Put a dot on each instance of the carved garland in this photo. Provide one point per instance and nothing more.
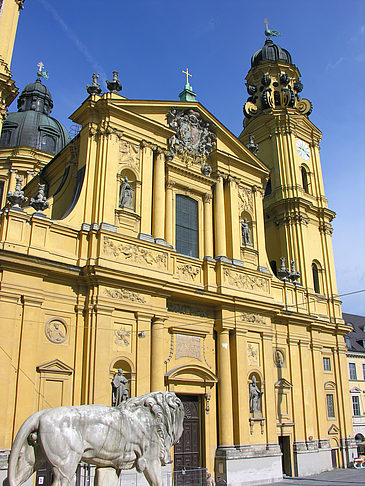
(246, 281)
(125, 294)
(134, 253)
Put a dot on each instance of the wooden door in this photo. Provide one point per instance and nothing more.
(187, 454)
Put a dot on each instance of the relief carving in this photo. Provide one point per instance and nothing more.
(253, 353)
(122, 337)
(129, 154)
(125, 294)
(187, 272)
(246, 281)
(188, 347)
(56, 331)
(245, 201)
(326, 228)
(134, 253)
(247, 317)
(181, 308)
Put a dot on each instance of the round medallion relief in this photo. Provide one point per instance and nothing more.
(56, 331)
(279, 358)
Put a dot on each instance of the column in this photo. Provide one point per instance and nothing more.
(208, 226)
(157, 353)
(224, 390)
(169, 219)
(219, 219)
(319, 393)
(143, 359)
(146, 194)
(158, 214)
(306, 367)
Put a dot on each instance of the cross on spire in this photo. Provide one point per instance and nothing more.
(187, 75)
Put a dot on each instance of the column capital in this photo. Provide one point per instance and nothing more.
(150, 145)
(159, 319)
(140, 315)
(160, 151)
(207, 197)
(170, 184)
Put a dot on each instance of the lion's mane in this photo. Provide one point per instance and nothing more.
(167, 413)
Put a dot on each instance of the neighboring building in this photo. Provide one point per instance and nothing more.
(153, 257)
(355, 342)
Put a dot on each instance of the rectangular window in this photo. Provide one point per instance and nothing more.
(330, 406)
(356, 405)
(326, 364)
(187, 226)
(352, 369)
(363, 371)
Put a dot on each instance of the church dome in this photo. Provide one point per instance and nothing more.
(270, 52)
(31, 125)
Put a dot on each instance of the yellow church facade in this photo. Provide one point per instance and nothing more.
(151, 243)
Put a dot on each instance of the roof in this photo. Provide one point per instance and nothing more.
(356, 336)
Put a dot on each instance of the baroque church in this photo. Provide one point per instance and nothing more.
(157, 242)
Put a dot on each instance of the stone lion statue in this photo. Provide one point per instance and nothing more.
(138, 433)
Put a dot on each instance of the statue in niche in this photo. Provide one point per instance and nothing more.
(255, 396)
(119, 386)
(245, 231)
(126, 195)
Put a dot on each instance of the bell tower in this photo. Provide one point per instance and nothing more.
(9, 15)
(297, 220)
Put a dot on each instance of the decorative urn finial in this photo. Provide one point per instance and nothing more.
(115, 85)
(17, 198)
(94, 88)
(39, 203)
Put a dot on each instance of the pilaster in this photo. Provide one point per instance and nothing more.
(144, 329)
(146, 194)
(219, 219)
(158, 216)
(208, 225)
(224, 389)
(169, 213)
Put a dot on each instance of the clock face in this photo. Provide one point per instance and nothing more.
(303, 149)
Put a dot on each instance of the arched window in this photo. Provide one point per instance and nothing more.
(315, 278)
(304, 179)
(187, 241)
(48, 144)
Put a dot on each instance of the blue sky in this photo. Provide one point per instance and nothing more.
(151, 41)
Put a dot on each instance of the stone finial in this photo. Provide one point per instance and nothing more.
(252, 146)
(94, 88)
(39, 203)
(283, 272)
(17, 198)
(115, 85)
(293, 275)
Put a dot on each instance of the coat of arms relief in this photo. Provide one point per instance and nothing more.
(194, 138)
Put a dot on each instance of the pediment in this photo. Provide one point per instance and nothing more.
(355, 390)
(333, 430)
(283, 383)
(151, 115)
(55, 366)
(191, 374)
(330, 385)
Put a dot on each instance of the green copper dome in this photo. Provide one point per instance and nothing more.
(31, 125)
(270, 52)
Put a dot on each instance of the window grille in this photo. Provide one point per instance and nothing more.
(330, 406)
(356, 405)
(352, 369)
(326, 364)
(187, 226)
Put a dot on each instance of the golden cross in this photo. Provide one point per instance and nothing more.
(40, 66)
(187, 75)
(267, 24)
